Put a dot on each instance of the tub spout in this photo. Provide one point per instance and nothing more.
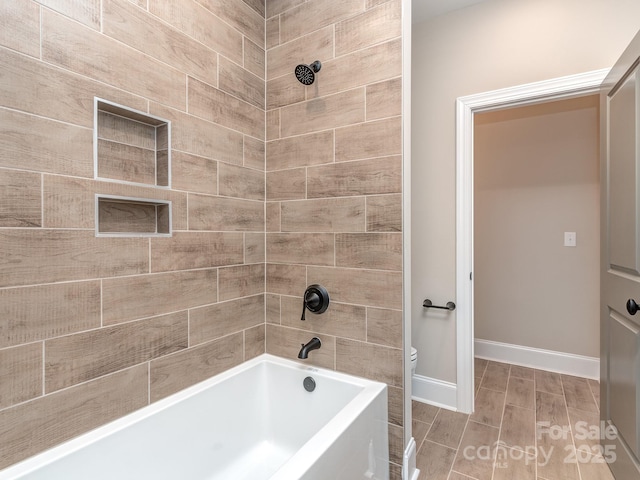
(313, 344)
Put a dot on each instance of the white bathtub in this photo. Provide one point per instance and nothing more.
(255, 421)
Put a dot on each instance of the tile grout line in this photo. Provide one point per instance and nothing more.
(504, 406)
(40, 32)
(573, 440)
(101, 303)
(593, 396)
(464, 430)
(188, 327)
(43, 367)
(149, 382)
(42, 200)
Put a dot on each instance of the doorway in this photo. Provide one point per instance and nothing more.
(467, 107)
(536, 234)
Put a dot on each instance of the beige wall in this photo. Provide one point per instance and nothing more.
(93, 328)
(536, 176)
(491, 45)
(334, 184)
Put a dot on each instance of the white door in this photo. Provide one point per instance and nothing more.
(620, 297)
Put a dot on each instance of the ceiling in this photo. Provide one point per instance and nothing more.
(422, 10)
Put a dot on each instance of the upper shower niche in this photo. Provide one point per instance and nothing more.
(306, 74)
(131, 146)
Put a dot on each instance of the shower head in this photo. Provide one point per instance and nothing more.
(306, 74)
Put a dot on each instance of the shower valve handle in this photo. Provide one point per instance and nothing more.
(315, 299)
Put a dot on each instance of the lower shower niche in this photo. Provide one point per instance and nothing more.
(132, 217)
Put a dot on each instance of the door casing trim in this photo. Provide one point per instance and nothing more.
(528, 94)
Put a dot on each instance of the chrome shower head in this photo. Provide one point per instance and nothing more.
(306, 74)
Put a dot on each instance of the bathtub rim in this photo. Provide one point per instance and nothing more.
(313, 447)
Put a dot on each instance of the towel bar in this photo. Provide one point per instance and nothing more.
(429, 304)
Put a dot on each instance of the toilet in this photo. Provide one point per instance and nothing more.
(414, 360)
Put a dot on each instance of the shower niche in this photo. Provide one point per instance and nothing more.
(131, 147)
(128, 216)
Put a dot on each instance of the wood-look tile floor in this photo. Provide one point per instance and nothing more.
(527, 425)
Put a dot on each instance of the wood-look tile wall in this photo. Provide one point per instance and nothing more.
(333, 188)
(94, 328)
(274, 186)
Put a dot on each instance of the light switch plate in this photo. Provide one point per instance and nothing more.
(569, 239)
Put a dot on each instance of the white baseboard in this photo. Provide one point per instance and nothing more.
(433, 391)
(560, 362)
(409, 470)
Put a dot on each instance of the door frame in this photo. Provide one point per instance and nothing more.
(466, 107)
